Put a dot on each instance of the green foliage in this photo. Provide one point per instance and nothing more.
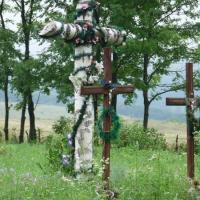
(56, 147)
(3, 150)
(158, 37)
(197, 143)
(63, 126)
(13, 139)
(8, 55)
(32, 69)
(135, 135)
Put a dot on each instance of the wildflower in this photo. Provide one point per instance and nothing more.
(70, 140)
(65, 160)
(65, 179)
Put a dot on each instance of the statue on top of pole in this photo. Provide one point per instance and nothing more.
(85, 33)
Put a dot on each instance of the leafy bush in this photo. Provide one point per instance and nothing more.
(197, 142)
(135, 135)
(63, 125)
(57, 147)
(3, 150)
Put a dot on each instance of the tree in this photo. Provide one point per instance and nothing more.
(160, 37)
(28, 10)
(8, 55)
(32, 69)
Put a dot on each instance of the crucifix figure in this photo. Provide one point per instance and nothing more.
(189, 102)
(107, 92)
(85, 34)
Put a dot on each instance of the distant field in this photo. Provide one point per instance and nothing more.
(47, 114)
(45, 117)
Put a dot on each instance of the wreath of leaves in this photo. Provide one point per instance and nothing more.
(115, 127)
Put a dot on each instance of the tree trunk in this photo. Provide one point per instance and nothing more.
(6, 130)
(146, 110)
(23, 119)
(145, 92)
(32, 130)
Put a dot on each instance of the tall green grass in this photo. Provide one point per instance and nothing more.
(135, 175)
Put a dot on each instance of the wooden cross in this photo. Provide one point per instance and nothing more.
(85, 33)
(95, 90)
(188, 102)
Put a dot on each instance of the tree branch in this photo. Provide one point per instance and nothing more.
(152, 74)
(17, 3)
(166, 91)
(168, 13)
(1, 14)
(31, 12)
(23, 14)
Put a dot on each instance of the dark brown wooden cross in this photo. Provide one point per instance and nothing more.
(95, 90)
(188, 102)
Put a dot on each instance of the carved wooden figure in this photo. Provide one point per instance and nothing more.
(84, 33)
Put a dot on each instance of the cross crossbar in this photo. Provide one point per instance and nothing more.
(176, 102)
(87, 90)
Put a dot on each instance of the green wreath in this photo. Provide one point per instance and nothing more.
(115, 127)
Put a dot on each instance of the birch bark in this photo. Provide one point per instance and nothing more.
(83, 140)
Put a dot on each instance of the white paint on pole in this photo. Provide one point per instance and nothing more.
(84, 59)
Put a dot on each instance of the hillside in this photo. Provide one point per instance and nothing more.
(158, 109)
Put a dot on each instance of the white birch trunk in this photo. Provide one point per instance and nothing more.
(83, 140)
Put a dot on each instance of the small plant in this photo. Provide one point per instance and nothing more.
(197, 142)
(57, 154)
(63, 125)
(3, 150)
(135, 135)
(59, 146)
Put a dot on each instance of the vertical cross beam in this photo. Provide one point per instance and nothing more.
(107, 121)
(188, 102)
(190, 128)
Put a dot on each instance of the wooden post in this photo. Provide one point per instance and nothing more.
(188, 102)
(190, 129)
(107, 122)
